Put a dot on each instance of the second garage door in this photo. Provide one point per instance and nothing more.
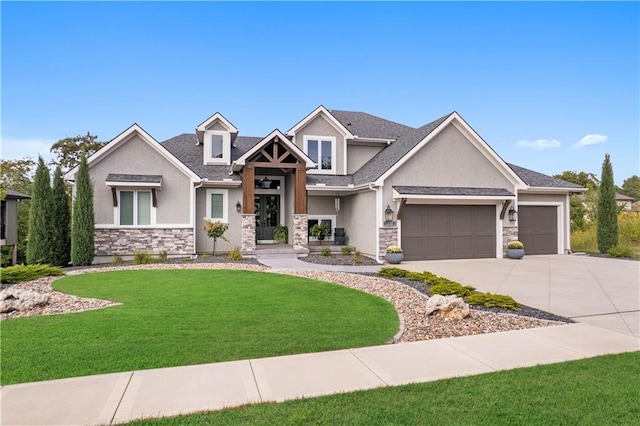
(432, 232)
(538, 229)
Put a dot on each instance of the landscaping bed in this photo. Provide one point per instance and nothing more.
(339, 259)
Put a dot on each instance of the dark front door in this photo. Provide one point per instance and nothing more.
(267, 215)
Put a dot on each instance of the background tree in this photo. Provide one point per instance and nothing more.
(582, 206)
(631, 187)
(69, 150)
(607, 209)
(588, 180)
(17, 175)
(60, 222)
(39, 240)
(83, 219)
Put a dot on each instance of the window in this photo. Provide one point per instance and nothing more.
(328, 220)
(135, 208)
(322, 150)
(217, 147)
(217, 204)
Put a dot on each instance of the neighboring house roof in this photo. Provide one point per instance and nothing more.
(16, 195)
(536, 179)
(365, 125)
(389, 156)
(621, 197)
(450, 190)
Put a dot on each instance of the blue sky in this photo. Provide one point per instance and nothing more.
(533, 79)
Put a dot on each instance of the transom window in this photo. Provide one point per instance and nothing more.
(217, 147)
(322, 150)
(217, 204)
(135, 208)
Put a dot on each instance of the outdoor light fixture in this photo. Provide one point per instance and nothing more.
(513, 214)
(388, 215)
(238, 206)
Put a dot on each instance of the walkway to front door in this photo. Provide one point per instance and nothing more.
(267, 208)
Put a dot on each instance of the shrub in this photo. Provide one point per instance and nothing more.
(620, 251)
(391, 272)
(116, 260)
(325, 251)
(515, 245)
(358, 258)
(320, 231)
(607, 209)
(493, 300)
(446, 287)
(163, 256)
(83, 246)
(215, 230)
(585, 240)
(629, 228)
(416, 276)
(345, 251)
(19, 273)
(394, 249)
(235, 254)
(142, 258)
(39, 242)
(60, 226)
(281, 234)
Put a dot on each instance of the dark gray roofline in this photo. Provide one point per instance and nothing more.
(451, 190)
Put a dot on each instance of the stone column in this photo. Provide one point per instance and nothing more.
(248, 233)
(388, 237)
(509, 233)
(300, 233)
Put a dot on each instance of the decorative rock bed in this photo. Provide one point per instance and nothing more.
(410, 304)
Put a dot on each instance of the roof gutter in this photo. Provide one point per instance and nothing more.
(378, 209)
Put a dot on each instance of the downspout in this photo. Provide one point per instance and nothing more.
(194, 206)
(378, 195)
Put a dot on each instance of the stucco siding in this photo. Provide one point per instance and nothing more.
(204, 244)
(358, 155)
(359, 220)
(136, 157)
(321, 205)
(319, 126)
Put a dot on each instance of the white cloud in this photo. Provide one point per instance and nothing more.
(590, 140)
(18, 148)
(539, 144)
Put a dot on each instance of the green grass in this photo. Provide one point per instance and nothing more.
(595, 391)
(182, 317)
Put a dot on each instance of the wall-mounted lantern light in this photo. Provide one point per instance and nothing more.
(388, 216)
(513, 214)
(238, 206)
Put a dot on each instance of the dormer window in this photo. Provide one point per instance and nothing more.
(322, 150)
(217, 147)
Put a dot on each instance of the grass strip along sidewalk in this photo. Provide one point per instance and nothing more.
(182, 317)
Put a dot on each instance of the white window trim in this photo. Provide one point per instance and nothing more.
(319, 218)
(225, 204)
(226, 147)
(334, 160)
(116, 210)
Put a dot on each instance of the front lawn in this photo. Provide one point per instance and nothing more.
(182, 317)
(595, 391)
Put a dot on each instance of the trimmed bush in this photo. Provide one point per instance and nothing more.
(391, 272)
(60, 222)
(345, 251)
(142, 258)
(607, 209)
(493, 300)
(19, 273)
(325, 251)
(446, 287)
(235, 254)
(39, 241)
(116, 260)
(83, 247)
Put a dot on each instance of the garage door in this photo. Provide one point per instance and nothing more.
(448, 232)
(538, 229)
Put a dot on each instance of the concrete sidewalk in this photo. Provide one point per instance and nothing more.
(122, 397)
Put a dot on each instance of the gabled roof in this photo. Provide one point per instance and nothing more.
(363, 125)
(297, 152)
(217, 116)
(535, 179)
(321, 110)
(133, 130)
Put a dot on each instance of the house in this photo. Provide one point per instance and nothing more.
(9, 220)
(624, 202)
(446, 193)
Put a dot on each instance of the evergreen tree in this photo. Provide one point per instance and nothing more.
(60, 222)
(39, 240)
(83, 222)
(607, 209)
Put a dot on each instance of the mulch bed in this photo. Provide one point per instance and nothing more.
(339, 259)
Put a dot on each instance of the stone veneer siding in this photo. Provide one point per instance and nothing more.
(123, 241)
(508, 234)
(248, 233)
(300, 232)
(388, 237)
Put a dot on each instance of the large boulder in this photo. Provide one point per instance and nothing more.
(447, 306)
(16, 299)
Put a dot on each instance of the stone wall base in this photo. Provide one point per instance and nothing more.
(508, 234)
(388, 237)
(300, 232)
(124, 242)
(248, 233)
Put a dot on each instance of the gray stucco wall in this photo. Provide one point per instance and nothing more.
(136, 157)
(359, 220)
(357, 155)
(289, 200)
(321, 205)
(204, 244)
(320, 127)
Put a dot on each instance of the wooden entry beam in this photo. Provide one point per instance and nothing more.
(248, 190)
(300, 194)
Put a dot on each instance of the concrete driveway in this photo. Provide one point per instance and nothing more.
(598, 291)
